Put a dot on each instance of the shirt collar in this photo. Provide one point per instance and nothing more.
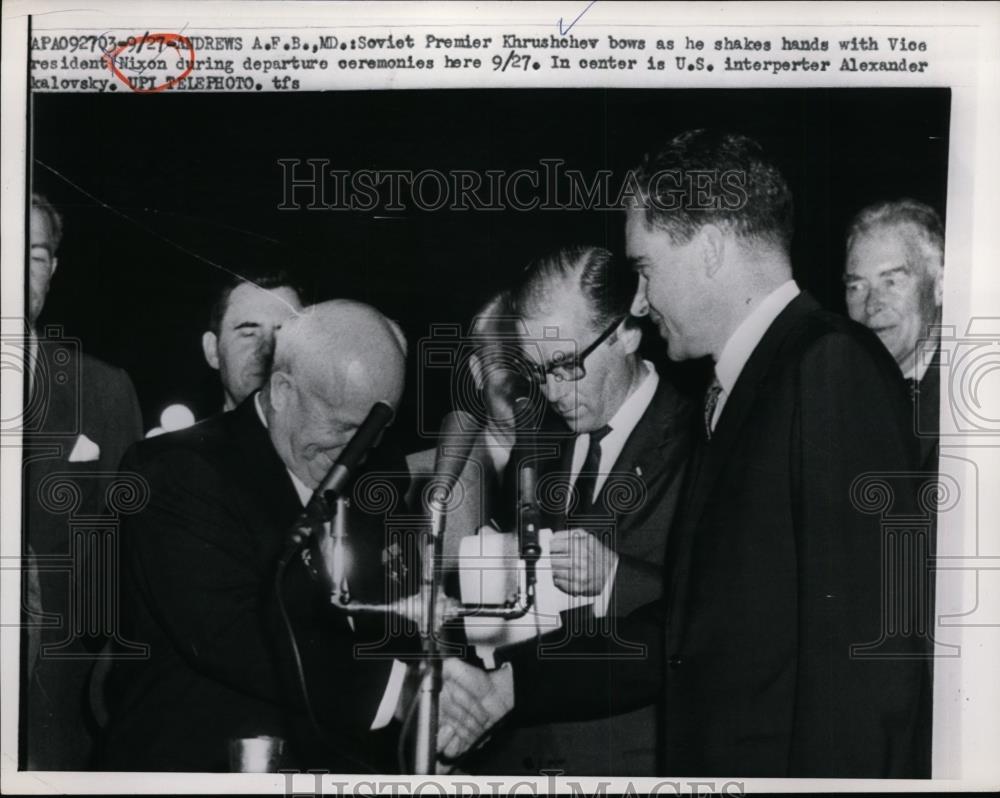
(744, 340)
(922, 362)
(304, 493)
(499, 452)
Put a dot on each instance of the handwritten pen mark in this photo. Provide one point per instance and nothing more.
(564, 30)
(112, 61)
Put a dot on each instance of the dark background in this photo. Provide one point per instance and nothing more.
(191, 175)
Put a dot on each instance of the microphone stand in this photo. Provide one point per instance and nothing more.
(426, 607)
(425, 742)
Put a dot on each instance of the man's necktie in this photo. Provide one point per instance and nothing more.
(586, 481)
(711, 401)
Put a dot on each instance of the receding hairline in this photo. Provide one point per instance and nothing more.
(915, 236)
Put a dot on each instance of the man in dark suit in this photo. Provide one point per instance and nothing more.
(201, 562)
(894, 284)
(768, 655)
(81, 414)
(610, 494)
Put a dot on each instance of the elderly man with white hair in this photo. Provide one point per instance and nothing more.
(894, 284)
(200, 562)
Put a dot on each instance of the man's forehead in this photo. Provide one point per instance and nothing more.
(876, 251)
(641, 237)
(635, 228)
(248, 302)
(325, 396)
(563, 311)
(41, 230)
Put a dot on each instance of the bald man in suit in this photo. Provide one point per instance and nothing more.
(201, 558)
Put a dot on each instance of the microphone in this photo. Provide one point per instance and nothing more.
(529, 517)
(458, 432)
(335, 483)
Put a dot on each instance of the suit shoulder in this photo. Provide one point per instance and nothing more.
(204, 441)
(822, 334)
(670, 396)
(96, 372)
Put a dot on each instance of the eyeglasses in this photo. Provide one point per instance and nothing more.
(567, 368)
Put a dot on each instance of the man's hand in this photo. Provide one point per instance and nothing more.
(581, 564)
(472, 702)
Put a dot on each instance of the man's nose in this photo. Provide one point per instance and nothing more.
(640, 305)
(264, 347)
(875, 301)
(555, 387)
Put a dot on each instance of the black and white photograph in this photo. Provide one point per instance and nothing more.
(485, 430)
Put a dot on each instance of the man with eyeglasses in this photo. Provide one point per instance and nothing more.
(616, 486)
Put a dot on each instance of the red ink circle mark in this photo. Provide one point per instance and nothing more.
(174, 40)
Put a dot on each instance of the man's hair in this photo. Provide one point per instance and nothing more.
(494, 323)
(606, 284)
(266, 280)
(922, 220)
(493, 339)
(55, 220)
(709, 177)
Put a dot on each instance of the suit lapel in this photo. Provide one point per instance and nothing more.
(650, 451)
(741, 401)
(927, 412)
(258, 466)
(710, 457)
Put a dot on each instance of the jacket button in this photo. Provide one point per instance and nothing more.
(675, 662)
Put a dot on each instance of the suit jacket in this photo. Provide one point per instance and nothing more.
(925, 421)
(80, 417)
(200, 581)
(775, 570)
(927, 407)
(635, 507)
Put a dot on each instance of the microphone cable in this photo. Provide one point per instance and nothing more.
(301, 675)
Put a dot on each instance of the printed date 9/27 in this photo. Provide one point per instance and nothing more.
(512, 61)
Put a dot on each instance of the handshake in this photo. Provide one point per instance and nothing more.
(472, 702)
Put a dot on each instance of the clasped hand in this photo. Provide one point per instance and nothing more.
(581, 564)
(472, 702)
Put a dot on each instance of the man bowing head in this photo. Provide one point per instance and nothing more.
(201, 558)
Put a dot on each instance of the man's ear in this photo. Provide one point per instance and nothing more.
(939, 287)
(713, 248)
(630, 334)
(210, 346)
(280, 389)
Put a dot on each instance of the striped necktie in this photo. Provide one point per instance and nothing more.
(711, 402)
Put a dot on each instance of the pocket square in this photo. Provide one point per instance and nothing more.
(84, 450)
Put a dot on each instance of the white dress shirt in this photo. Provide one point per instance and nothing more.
(394, 687)
(499, 452)
(922, 361)
(744, 340)
(622, 424)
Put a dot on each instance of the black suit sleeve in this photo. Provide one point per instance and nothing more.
(854, 708)
(192, 562)
(548, 674)
(197, 568)
(121, 416)
(636, 581)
